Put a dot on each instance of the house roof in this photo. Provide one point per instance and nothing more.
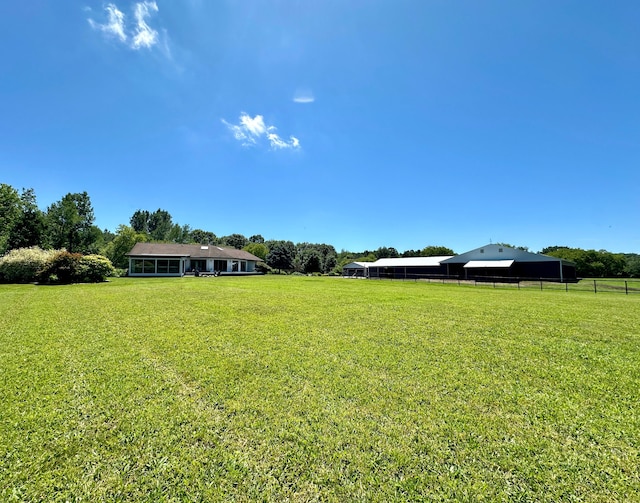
(409, 262)
(191, 251)
(493, 252)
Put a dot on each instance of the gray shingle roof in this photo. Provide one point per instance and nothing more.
(192, 251)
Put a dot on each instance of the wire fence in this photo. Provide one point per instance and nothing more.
(600, 285)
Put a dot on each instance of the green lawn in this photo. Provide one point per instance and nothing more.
(302, 389)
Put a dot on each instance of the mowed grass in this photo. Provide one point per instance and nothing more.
(317, 389)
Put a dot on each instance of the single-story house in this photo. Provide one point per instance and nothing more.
(165, 259)
(502, 262)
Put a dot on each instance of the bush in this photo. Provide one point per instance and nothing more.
(63, 268)
(24, 264)
(68, 267)
(96, 268)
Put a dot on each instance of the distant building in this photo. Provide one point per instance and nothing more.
(356, 269)
(408, 268)
(490, 262)
(502, 262)
(161, 259)
(397, 268)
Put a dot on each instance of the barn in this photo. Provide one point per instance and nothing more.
(356, 269)
(398, 268)
(498, 262)
(408, 268)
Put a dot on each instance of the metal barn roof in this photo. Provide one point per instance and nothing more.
(486, 264)
(499, 252)
(357, 265)
(409, 262)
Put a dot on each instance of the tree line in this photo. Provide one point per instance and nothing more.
(69, 224)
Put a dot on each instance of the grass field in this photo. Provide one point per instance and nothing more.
(304, 389)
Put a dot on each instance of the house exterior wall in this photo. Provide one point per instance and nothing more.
(156, 266)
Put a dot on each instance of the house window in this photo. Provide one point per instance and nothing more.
(136, 266)
(243, 266)
(481, 250)
(163, 266)
(149, 266)
(174, 266)
(220, 265)
(499, 250)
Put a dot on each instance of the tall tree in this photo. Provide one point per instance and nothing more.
(203, 237)
(30, 226)
(281, 254)
(160, 225)
(9, 214)
(237, 241)
(384, 252)
(126, 237)
(257, 249)
(70, 221)
(140, 221)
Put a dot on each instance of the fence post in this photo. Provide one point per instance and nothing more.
(626, 288)
(595, 286)
(566, 286)
(540, 285)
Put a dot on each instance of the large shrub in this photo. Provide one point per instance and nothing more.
(96, 268)
(24, 264)
(64, 267)
(67, 267)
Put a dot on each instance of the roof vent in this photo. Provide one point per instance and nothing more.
(204, 247)
(219, 248)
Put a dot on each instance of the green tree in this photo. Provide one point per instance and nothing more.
(9, 214)
(180, 234)
(590, 263)
(29, 228)
(70, 222)
(281, 254)
(140, 221)
(237, 241)
(436, 251)
(160, 224)
(126, 237)
(384, 252)
(632, 265)
(257, 249)
(203, 237)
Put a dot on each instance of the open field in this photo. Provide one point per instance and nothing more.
(302, 389)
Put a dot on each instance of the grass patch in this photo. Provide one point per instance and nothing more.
(297, 388)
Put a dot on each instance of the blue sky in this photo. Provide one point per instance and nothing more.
(355, 123)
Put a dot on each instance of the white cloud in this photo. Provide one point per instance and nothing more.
(145, 35)
(114, 25)
(303, 96)
(142, 36)
(253, 131)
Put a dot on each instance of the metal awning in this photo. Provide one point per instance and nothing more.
(488, 264)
